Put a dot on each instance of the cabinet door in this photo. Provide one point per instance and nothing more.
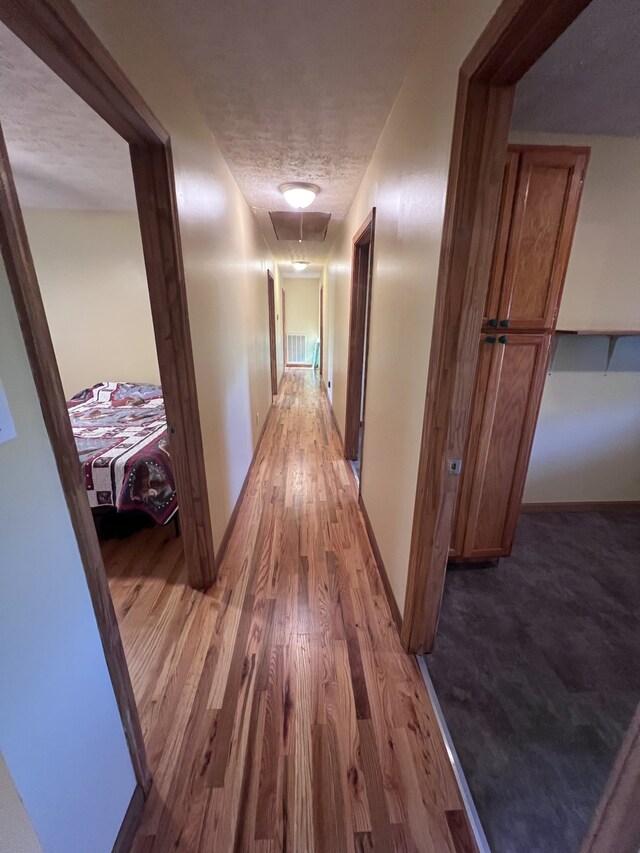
(507, 199)
(508, 393)
(545, 210)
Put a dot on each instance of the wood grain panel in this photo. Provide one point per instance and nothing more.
(359, 314)
(545, 211)
(320, 734)
(271, 300)
(510, 404)
(507, 199)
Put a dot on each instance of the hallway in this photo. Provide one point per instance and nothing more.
(279, 710)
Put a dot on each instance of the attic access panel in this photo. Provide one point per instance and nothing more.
(293, 225)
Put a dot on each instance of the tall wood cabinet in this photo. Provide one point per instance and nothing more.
(540, 200)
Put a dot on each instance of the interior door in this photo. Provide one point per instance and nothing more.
(510, 382)
(271, 296)
(537, 243)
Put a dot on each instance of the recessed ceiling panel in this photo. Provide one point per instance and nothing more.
(294, 225)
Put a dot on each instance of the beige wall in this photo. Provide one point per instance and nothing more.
(60, 729)
(587, 443)
(225, 257)
(93, 282)
(406, 182)
(302, 310)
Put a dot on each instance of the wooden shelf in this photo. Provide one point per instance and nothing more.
(613, 333)
(614, 336)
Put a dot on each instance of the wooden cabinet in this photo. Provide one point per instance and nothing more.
(540, 199)
(508, 391)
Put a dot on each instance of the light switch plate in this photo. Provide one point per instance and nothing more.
(7, 427)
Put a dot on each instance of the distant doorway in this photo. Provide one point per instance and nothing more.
(361, 273)
(271, 296)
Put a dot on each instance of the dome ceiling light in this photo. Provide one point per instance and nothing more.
(299, 195)
(299, 265)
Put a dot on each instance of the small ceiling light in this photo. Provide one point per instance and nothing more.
(299, 195)
(300, 265)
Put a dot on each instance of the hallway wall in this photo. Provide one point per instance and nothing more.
(225, 257)
(406, 182)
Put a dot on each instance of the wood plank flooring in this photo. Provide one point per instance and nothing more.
(279, 710)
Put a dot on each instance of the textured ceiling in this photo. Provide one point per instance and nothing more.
(62, 154)
(588, 81)
(294, 90)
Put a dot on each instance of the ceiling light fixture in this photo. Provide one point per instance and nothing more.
(299, 195)
(300, 265)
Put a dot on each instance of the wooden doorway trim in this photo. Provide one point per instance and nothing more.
(35, 330)
(284, 332)
(271, 296)
(515, 38)
(361, 275)
(55, 31)
(321, 327)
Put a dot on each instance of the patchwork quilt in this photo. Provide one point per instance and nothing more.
(121, 435)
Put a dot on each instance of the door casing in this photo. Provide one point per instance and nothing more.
(359, 315)
(56, 32)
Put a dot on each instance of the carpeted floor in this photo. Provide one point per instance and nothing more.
(537, 670)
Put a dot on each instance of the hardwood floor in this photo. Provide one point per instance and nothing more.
(279, 710)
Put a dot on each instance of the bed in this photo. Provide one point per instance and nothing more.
(120, 431)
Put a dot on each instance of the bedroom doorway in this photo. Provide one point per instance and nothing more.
(360, 312)
(91, 73)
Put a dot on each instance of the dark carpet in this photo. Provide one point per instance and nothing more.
(537, 670)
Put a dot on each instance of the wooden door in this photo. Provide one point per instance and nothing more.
(361, 275)
(507, 399)
(271, 296)
(321, 327)
(284, 331)
(540, 200)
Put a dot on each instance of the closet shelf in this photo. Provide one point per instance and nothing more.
(617, 333)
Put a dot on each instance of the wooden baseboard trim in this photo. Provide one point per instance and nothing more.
(131, 822)
(224, 542)
(583, 506)
(298, 364)
(382, 571)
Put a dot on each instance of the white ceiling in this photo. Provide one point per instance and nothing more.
(291, 90)
(588, 81)
(63, 155)
(294, 90)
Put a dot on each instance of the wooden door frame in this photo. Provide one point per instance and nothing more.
(271, 298)
(56, 32)
(516, 36)
(359, 315)
(284, 330)
(321, 326)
